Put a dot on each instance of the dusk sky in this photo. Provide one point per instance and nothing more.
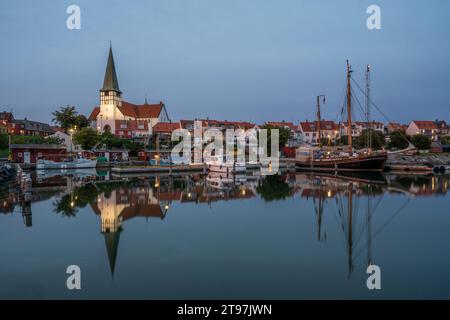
(254, 60)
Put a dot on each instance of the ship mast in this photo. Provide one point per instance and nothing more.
(349, 106)
(319, 117)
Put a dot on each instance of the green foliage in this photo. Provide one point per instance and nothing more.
(378, 141)
(445, 140)
(87, 138)
(110, 141)
(19, 139)
(421, 142)
(284, 135)
(273, 188)
(4, 141)
(68, 117)
(399, 140)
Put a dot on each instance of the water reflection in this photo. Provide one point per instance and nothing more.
(352, 200)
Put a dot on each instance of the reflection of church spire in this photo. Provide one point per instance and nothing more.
(112, 246)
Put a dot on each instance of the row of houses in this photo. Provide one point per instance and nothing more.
(10, 125)
(307, 132)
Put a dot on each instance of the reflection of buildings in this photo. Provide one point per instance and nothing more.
(122, 204)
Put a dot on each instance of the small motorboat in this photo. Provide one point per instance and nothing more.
(77, 163)
(216, 164)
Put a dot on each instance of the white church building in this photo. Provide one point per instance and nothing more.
(122, 118)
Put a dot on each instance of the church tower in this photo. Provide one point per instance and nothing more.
(110, 98)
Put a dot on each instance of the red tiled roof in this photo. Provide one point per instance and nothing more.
(143, 111)
(324, 125)
(424, 125)
(226, 123)
(363, 123)
(94, 114)
(166, 127)
(281, 124)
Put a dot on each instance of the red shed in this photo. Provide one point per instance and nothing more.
(30, 153)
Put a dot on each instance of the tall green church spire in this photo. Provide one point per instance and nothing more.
(110, 83)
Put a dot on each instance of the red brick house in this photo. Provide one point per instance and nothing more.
(30, 128)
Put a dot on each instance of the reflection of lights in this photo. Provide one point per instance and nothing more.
(329, 193)
(166, 207)
(243, 192)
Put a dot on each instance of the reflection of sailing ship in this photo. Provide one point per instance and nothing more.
(347, 196)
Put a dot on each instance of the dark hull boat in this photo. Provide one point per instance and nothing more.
(342, 158)
(361, 163)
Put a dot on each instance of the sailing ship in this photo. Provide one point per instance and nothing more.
(343, 158)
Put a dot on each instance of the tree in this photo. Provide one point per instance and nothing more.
(445, 140)
(18, 139)
(87, 138)
(421, 142)
(284, 135)
(81, 121)
(4, 141)
(398, 140)
(360, 142)
(68, 117)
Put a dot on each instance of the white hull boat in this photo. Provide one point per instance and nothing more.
(79, 163)
(215, 165)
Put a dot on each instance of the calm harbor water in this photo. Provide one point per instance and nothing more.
(291, 236)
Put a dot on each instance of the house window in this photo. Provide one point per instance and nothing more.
(39, 154)
(19, 154)
(121, 133)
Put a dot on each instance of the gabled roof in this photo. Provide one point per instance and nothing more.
(143, 111)
(6, 116)
(281, 124)
(94, 114)
(34, 126)
(110, 82)
(312, 126)
(166, 127)
(425, 125)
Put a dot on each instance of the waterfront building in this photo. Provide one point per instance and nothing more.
(122, 118)
(359, 126)
(426, 128)
(30, 128)
(310, 131)
(30, 153)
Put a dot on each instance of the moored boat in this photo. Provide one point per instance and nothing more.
(216, 164)
(340, 158)
(77, 163)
